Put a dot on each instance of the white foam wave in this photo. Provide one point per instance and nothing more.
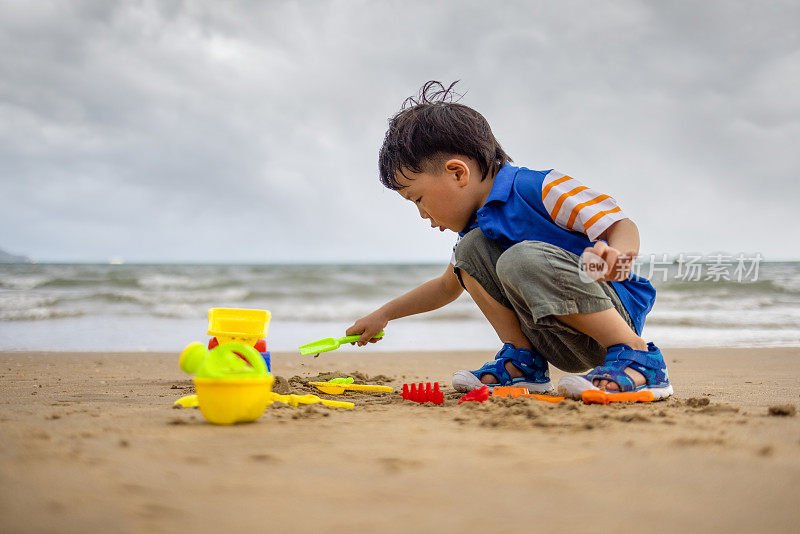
(176, 281)
(37, 314)
(23, 281)
(15, 300)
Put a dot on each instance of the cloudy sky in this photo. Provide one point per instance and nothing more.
(249, 131)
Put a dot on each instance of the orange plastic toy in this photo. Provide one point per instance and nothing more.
(598, 396)
(512, 391)
(509, 391)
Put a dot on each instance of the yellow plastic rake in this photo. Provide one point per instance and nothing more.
(337, 389)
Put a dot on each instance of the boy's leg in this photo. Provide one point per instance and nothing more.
(608, 328)
(533, 294)
(475, 265)
(543, 284)
(503, 320)
(569, 321)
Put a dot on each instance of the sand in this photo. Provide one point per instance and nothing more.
(91, 443)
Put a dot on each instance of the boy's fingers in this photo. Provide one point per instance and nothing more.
(610, 256)
(376, 339)
(364, 339)
(599, 248)
(353, 330)
(368, 337)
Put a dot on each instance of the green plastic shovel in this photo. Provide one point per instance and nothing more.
(330, 343)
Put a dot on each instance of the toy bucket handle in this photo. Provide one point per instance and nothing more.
(250, 354)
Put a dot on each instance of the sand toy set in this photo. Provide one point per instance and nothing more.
(232, 376)
(231, 380)
(234, 384)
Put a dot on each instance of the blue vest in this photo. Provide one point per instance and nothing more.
(514, 212)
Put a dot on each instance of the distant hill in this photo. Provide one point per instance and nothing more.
(5, 257)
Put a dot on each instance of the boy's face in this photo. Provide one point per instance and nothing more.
(449, 198)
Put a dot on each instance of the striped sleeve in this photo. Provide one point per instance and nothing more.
(575, 207)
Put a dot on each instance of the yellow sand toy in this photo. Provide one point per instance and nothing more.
(232, 382)
(296, 400)
(232, 325)
(190, 401)
(227, 401)
(337, 388)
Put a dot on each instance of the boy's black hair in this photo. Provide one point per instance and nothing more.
(431, 126)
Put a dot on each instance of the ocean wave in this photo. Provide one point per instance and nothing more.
(37, 314)
(730, 287)
(341, 294)
(342, 311)
(728, 325)
(23, 282)
(693, 302)
(154, 298)
(163, 281)
(774, 319)
(23, 300)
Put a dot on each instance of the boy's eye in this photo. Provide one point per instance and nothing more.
(417, 201)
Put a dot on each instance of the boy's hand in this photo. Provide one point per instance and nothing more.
(368, 327)
(603, 263)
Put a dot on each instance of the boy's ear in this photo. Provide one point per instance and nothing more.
(459, 169)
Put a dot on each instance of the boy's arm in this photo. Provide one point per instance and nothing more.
(429, 296)
(620, 252)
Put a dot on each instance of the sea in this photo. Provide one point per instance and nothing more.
(135, 307)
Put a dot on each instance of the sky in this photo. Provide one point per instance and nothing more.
(176, 131)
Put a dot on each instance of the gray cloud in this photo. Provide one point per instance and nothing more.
(248, 131)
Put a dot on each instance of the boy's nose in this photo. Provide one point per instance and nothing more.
(423, 213)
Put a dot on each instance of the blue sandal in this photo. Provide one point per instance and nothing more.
(619, 357)
(536, 375)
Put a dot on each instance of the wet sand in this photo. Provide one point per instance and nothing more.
(90, 443)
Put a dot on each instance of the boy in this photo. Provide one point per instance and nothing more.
(521, 237)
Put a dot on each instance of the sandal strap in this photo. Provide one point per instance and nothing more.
(649, 363)
(623, 353)
(496, 368)
(619, 376)
(528, 361)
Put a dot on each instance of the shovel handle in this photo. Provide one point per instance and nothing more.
(356, 337)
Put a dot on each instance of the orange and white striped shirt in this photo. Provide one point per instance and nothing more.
(577, 208)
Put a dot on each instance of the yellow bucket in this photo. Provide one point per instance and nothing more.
(231, 325)
(226, 401)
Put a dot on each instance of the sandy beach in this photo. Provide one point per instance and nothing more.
(90, 442)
